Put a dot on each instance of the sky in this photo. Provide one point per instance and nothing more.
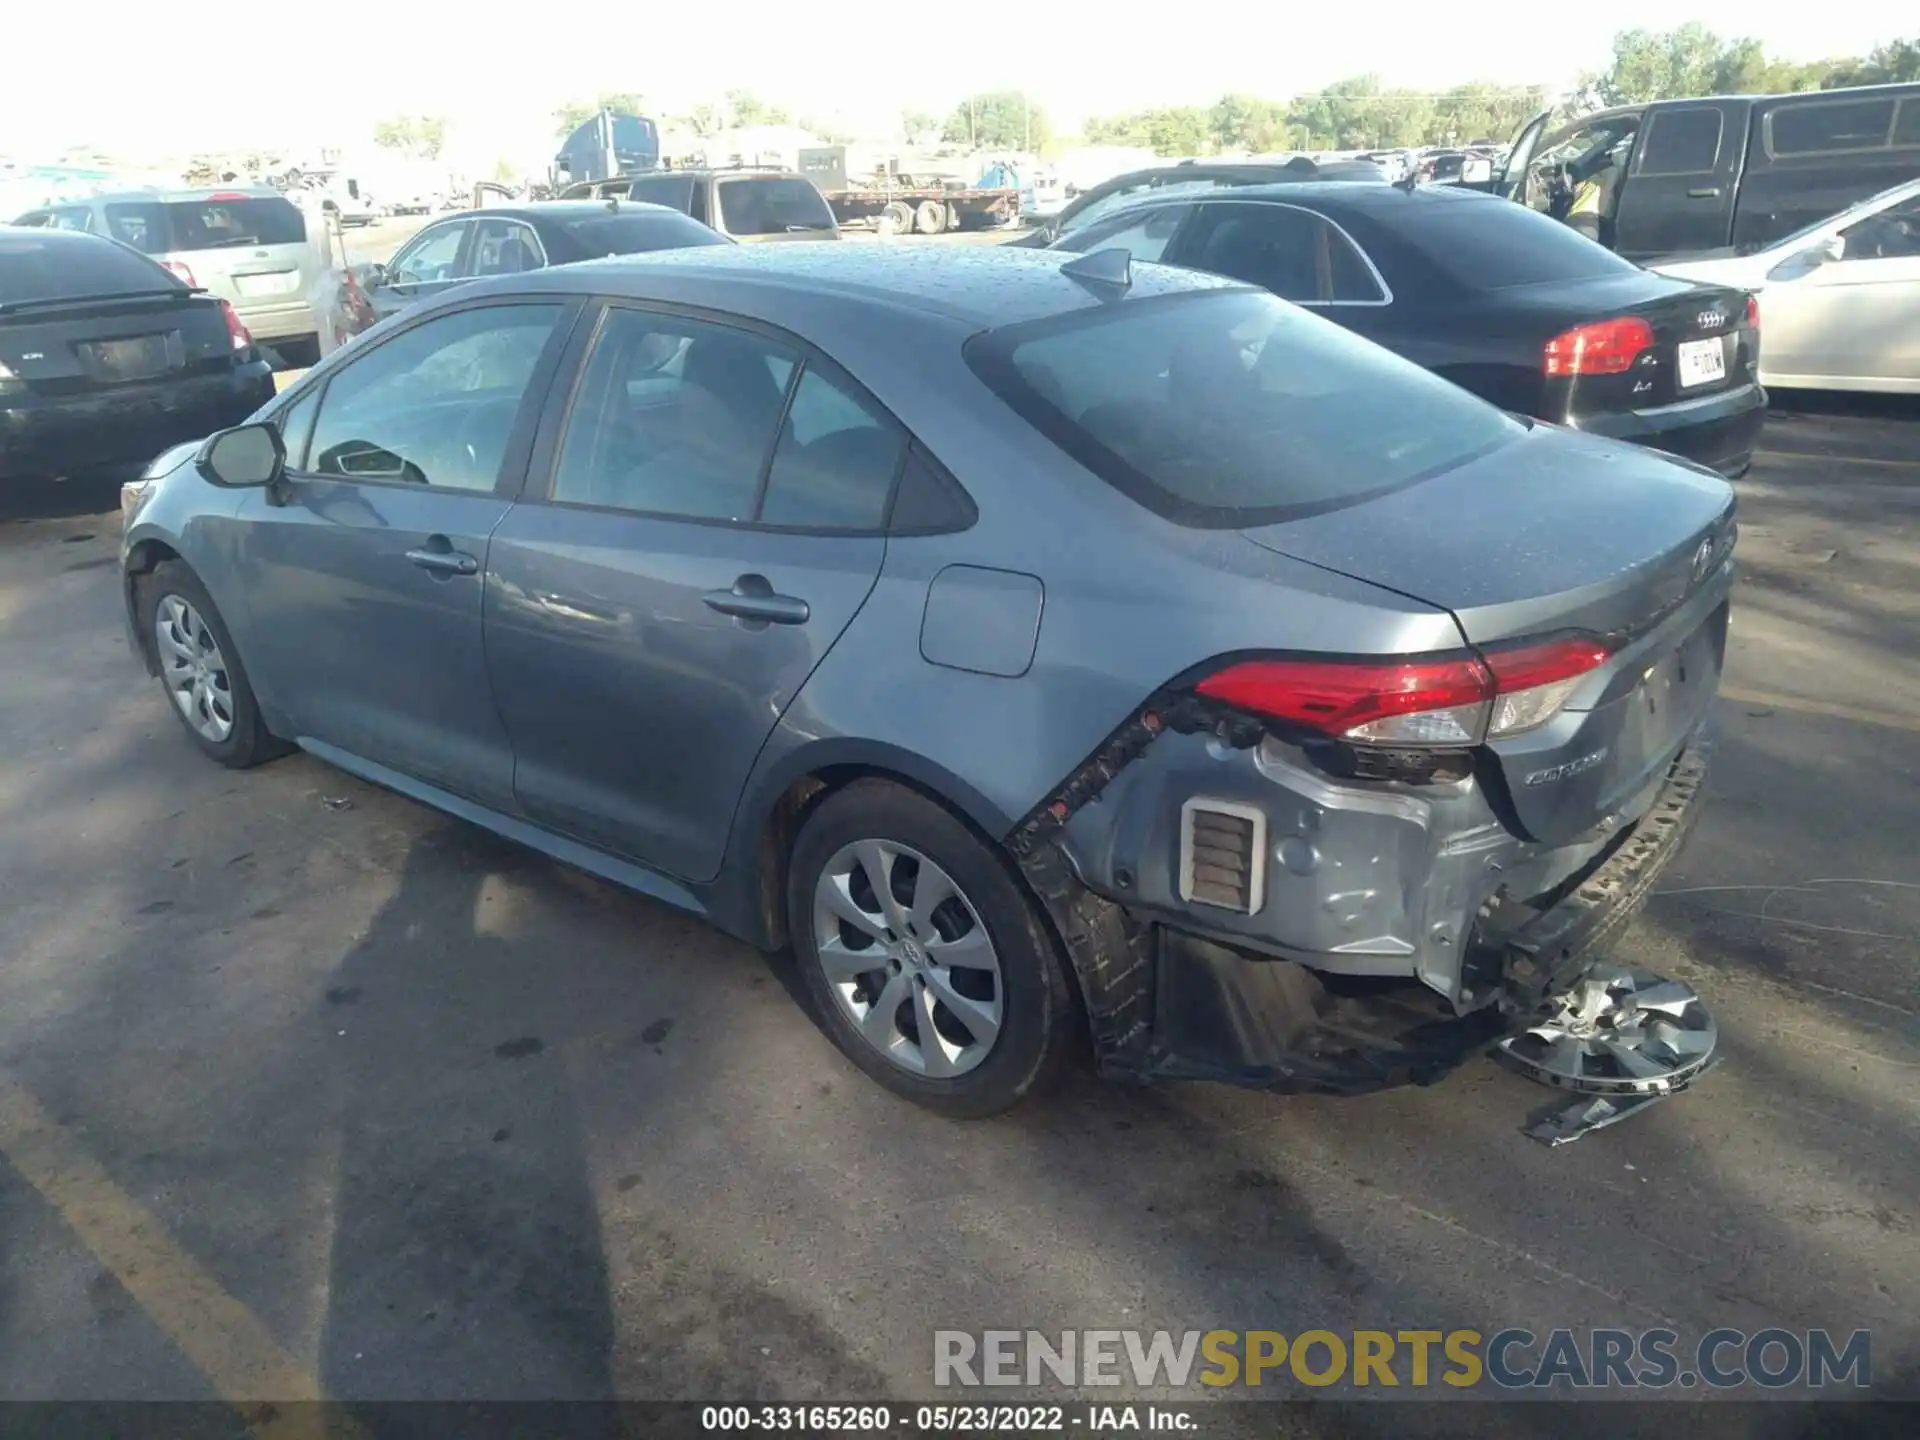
(143, 81)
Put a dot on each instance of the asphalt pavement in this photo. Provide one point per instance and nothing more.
(305, 1089)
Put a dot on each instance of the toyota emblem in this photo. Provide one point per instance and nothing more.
(1710, 319)
(1703, 560)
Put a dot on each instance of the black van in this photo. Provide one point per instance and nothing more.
(1724, 172)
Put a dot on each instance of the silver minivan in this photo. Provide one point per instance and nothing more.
(247, 245)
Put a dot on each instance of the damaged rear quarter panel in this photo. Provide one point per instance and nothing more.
(1119, 620)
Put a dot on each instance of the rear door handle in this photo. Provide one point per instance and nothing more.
(752, 598)
(439, 556)
(1710, 192)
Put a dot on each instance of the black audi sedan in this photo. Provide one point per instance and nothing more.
(106, 357)
(1495, 297)
(508, 240)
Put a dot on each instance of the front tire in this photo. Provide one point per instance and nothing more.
(200, 670)
(930, 965)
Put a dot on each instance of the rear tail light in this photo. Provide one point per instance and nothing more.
(1432, 702)
(181, 271)
(1607, 347)
(1531, 683)
(236, 328)
(1753, 312)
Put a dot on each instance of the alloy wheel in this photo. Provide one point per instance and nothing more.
(908, 959)
(194, 669)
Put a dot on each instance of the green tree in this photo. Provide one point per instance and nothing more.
(571, 116)
(998, 120)
(746, 108)
(1898, 61)
(1248, 122)
(1479, 111)
(915, 124)
(419, 136)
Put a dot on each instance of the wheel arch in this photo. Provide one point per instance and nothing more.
(144, 556)
(750, 898)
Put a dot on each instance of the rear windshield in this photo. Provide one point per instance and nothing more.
(1233, 408)
(1497, 245)
(35, 267)
(772, 205)
(165, 227)
(631, 232)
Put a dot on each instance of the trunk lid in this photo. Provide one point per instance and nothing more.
(1560, 532)
(1702, 344)
(82, 346)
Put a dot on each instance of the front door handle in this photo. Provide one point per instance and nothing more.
(753, 599)
(439, 556)
(1710, 192)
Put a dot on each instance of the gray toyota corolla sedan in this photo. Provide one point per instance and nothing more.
(1039, 644)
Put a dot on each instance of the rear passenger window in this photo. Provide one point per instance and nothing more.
(1145, 237)
(673, 417)
(836, 462)
(1830, 127)
(1295, 253)
(1682, 142)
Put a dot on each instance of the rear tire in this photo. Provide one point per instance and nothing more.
(930, 217)
(200, 671)
(957, 944)
(897, 218)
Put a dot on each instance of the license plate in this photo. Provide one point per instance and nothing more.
(252, 287)
(132, 359)
(1702, 362)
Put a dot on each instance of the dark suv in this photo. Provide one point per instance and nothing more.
(749, 205)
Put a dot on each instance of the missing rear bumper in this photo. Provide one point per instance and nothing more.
(1164, 1003)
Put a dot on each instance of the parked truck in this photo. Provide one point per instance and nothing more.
(900, 204)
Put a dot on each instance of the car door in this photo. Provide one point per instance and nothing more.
(425, 266)
(711, 519)
(1679, 188)
(361, 574)
(1852, 322)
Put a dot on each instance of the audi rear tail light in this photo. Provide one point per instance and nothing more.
(236, 327)
(181, 271)
(1428, 701)
(1606, 347)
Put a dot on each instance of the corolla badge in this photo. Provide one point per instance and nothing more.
(1703, 560)
(1568, 770)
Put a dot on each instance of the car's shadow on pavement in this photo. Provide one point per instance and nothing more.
(466, 1254)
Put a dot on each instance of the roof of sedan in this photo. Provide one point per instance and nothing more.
(979, 285)
(1370, 199)
(536, 210)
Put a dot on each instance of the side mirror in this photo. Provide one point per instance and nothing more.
(243, 457)
(1834, 247)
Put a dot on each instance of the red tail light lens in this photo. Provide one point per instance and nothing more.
(1450, 701)
(1407, 702)
(1533, 682)
(1607, 347)
(181, 271)
(236, 328)
(1753, 312)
